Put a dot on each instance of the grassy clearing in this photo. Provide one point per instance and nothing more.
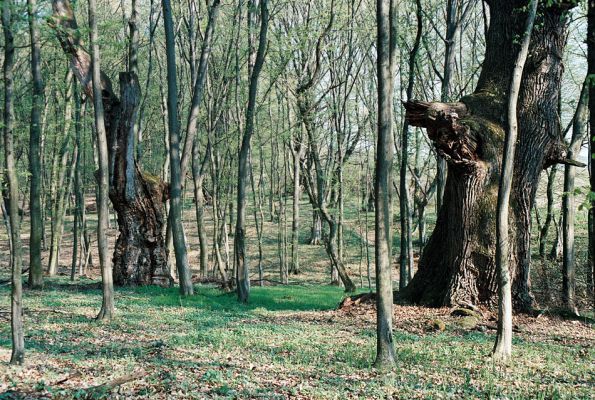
(288, 342)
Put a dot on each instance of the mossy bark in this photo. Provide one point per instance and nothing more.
(458, 263)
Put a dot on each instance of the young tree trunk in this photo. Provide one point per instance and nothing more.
(385, 63)
(458, 263)
(241, 262)
(107, 306)
(79, 202)
(35, 268)
(297, 151)
(503, 345)
(140, 257)
(258, 214)
(175, 217)
(568, 208)
(404, 205)
(543, 232)
(197, 94)
(16, 255)
(60, 168)
(316, 229)
(198, 175)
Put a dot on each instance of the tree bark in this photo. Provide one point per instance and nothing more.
(198, 174)
(140, 256)
(503, 346)
(458, 263)
(543, 232)
(16, 255)
(591, 74)
(107, 306)
(35, 268)
(241, 262)
(404, 206)
(176, 178)
(385, 64)
(568, 207)
(297, 152)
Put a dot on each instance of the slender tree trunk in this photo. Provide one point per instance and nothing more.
(16, 257)
(568, 208)
(404, 205)
(175, 219)
(503, 345)
(297, 153)
(258, 214)
(35, 268)
(386, 48)
(591, 73)
(198, 174)
(107, 306)
(78, 184)
(316, 230)
(241, 262)
(543, 232)
(60, 168)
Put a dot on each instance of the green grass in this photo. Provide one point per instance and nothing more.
(286, 342)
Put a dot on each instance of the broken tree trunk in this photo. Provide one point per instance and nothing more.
(458, 263)
(140, 255)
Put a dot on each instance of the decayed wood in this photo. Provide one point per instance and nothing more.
(453, 140)
(140, 255)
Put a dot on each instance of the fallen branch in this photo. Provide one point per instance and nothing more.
(114, 383)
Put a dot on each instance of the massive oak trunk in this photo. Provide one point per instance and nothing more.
(458, 263)
(140, 255)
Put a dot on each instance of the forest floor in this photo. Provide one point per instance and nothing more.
(289, 342)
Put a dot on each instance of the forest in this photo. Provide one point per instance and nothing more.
(305, 199)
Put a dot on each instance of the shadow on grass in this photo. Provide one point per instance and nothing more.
(278, 298)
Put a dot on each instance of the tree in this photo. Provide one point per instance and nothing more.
(591, 84)
(503, 346)
(458, 263)
(242, 268)
(568, 207)
(175, 201)
(386, 65)
(35, 268)
(107, 306)
(405, 260)
(140, 257)
(16, 256)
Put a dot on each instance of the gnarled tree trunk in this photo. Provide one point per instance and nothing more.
(458, 263)
(140, 255)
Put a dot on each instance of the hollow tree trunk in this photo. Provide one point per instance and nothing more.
(457, 264)
(140, 256)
